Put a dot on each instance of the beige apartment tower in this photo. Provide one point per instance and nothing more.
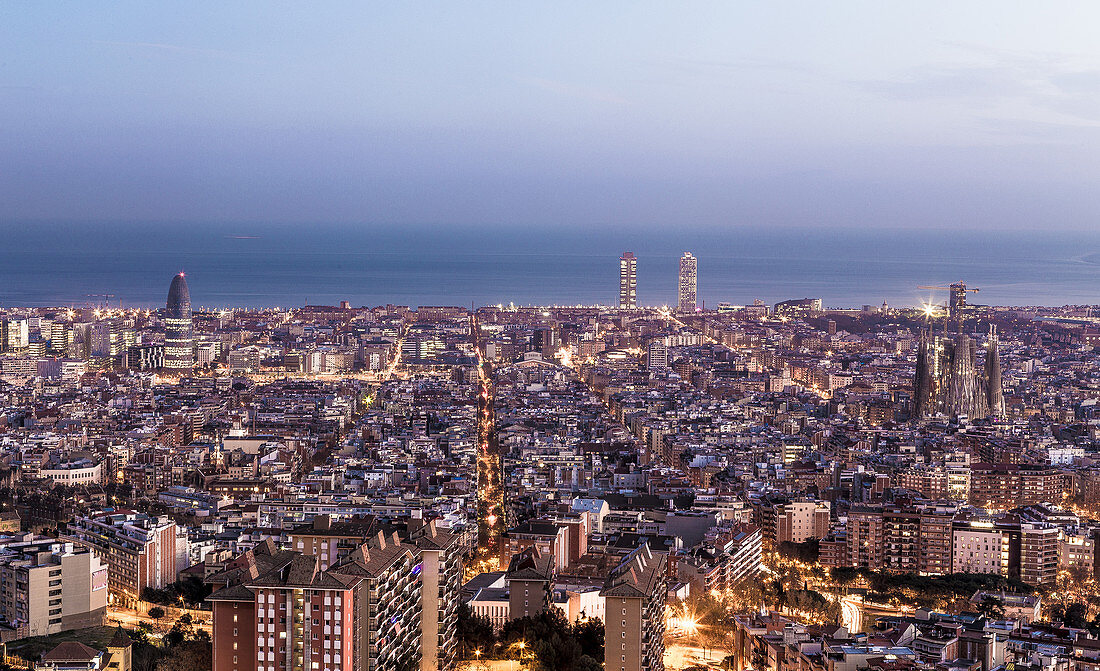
(634, 624)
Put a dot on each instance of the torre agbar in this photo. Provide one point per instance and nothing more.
(179, 353)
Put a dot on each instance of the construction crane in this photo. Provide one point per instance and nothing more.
(106, 298)
(958, 300)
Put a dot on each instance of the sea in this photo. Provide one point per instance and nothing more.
(279, 265)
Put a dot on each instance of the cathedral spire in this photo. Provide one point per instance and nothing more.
(994, 391)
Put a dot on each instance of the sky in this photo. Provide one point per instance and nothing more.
(981, 115)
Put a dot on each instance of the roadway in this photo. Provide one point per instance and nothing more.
(132, 619)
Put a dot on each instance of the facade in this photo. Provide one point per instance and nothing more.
(865, 547)
(979, 547)
(441, 584)
(399, 595)
(689, 266)
(1005, 486)
(47, 587)
(948, 381)
(285, 612)
(634, 607)
(530, 579)
(1039, 547)
(799, 521)
(628, 281)
(77, 472)
(140, 551)
(145, 357)
(179, 352)
(657, 356)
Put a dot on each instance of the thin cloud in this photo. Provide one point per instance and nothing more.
(1047, 83)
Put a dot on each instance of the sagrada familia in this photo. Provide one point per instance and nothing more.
(948, 381)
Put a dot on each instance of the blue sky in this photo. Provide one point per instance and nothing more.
(882, 114)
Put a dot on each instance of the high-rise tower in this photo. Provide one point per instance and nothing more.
(628, 281)
(179, 353)
(689, 266)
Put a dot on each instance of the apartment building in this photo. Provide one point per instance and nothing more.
(140, 551)
(1006, 486)
(799, 521)
(441, 587)
(529, 578)
(385, 603)
(48, 586)
(634, 608)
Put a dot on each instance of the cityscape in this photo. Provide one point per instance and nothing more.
(550, 336)
(763, 487)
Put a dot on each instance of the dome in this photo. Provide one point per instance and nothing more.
(179, 297)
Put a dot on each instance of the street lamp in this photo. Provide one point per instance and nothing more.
(521, 645)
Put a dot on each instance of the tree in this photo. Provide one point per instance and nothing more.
(589, 634)
(475, 633)
(1074, 616)
(156, 612)
(193, 589)
(992, 607)
(188, 656)
(546, 642)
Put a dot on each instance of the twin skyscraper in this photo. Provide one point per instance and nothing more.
(687, 286)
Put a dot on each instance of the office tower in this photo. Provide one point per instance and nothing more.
(657, 356)
(60, 335)
(634, 626)
(178, 338)
(145, 357)
(628, 281)
(103, 338)
(14, 335)
(689, 265)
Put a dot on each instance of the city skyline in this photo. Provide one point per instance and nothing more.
(550, 336)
